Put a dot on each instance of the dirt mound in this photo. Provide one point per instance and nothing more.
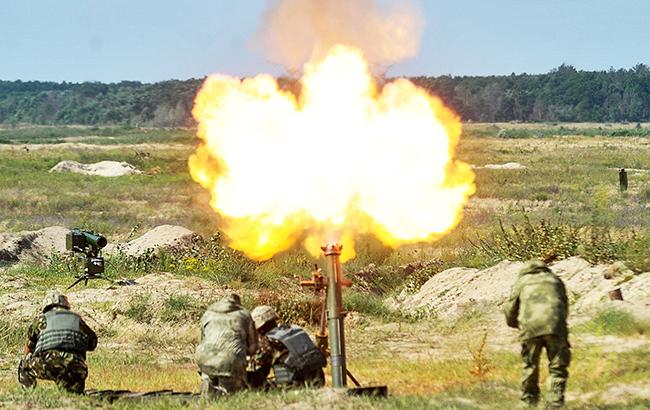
(102, 168)
(169, 238)
(32, 245)
(450, 292)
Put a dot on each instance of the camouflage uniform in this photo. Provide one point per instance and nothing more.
(274, 355)
(303, 367)
(538, 306)
(67, 368)
(227, 336)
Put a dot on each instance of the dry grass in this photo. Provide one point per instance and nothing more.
(425, 363)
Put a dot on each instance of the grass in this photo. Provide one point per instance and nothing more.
(93, 135)
(423, 383)
(571, 179)
(614, 321)
(181, 308)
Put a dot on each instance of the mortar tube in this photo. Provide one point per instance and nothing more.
(335, 316)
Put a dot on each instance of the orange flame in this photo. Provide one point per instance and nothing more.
(342, 159)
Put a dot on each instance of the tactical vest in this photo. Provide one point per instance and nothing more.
(304, 357)
(62, 333)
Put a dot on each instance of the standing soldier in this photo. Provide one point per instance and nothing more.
(56, 347)
(538, 306)
(288, 350)
(227, 336)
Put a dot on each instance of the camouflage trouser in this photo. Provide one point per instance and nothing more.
(212, 387)
(68, 370)
(559, 357)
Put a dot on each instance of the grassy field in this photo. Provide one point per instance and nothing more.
(568, 179)
(570, 182)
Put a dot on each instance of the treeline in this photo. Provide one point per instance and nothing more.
(564, 94)
(163, 104)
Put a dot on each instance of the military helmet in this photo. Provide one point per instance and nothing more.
(232, 298)
(262, 315)
(55, 298)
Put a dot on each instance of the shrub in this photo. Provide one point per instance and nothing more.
(530, 241)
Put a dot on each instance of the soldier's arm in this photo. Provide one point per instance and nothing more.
(511, 309)
(34, 331)
(264, 357)
(251, 337)
(92, 336)
(564, 297)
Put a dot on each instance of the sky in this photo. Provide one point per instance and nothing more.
(154, 40)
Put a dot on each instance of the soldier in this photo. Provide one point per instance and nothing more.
(56, 347)
(288, 350)
(227, 336)
(538, 306)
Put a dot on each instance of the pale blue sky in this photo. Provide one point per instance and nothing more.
(153, 40)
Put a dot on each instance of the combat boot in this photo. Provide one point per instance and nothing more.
(24, 378)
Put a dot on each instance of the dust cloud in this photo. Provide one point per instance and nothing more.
(296, 31)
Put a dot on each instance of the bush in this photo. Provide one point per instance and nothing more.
(531, 241)
(560, 240)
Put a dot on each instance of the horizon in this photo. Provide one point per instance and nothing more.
(152, 41)
(579, 70)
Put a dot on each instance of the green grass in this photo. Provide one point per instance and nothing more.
(420, 383)
(181, 308)
(575, 176)
(614, 321)
(139, 310)
(368, 304)
(94, 135)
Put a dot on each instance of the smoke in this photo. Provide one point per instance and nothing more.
(296, 31)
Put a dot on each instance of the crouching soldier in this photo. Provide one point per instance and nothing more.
(227, 336)
(288, 350)
(56, 347)
(538, 306)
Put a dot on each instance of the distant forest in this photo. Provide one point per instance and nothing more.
(564, 94)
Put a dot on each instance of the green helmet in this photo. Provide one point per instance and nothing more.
(55, 298)
(262, 315)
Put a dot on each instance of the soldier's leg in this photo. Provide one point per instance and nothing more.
(559, 358)
(26, 375)
(530, 352)
(44, 366)
(73, 378)
(210, 388)
(232, 384)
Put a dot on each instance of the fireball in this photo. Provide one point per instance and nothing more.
(343, 158)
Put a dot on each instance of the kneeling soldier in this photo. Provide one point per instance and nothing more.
(227, 337)
(287, 350)
(56, 347)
